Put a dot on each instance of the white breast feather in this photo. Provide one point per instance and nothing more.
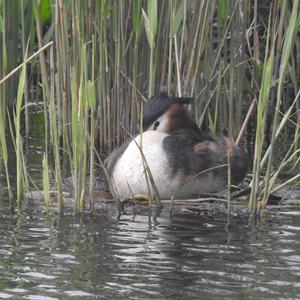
(129, 169)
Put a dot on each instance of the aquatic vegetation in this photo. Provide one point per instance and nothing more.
(94, 63)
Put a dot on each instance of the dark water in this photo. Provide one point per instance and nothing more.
(62, 256)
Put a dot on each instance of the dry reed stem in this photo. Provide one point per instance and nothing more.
(249, 113)
(27, 60)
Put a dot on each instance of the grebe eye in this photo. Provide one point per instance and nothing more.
(156, 124)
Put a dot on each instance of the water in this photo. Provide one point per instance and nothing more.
(63, 256)
(52, 255)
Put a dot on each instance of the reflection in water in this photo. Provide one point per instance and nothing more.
(191, 256)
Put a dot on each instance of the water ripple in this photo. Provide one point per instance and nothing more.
(188, 256)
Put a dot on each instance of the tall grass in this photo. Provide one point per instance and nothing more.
(262, 107)
(111, 55)
(22, 180)
(3, 87)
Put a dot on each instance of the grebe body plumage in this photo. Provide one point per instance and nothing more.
(184, 161)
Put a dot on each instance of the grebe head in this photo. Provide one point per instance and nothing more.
(166, 114)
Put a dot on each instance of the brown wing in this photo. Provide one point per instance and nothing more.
(219, 150)
(185, 155)
(195, 158)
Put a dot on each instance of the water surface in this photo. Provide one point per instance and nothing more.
(191, 256)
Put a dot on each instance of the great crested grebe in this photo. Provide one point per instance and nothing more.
(184, 161)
